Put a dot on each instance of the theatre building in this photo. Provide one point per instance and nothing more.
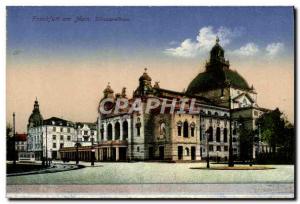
(221, 94)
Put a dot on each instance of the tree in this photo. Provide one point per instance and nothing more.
(245, 140)
(272, 127)
(9, 142)
(278, 133)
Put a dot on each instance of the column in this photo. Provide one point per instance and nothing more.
(99, 129)
(108, 153)
(105, 132)
(117, 153)
(129, 130)
(121, 130)
(113, 131)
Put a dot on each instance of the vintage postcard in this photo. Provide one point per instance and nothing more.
(150, 102)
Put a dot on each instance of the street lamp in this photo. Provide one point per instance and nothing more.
(230, 159)
(46, 146)
(14, 139)
(92, 149)
(77, 146)
(207, 151)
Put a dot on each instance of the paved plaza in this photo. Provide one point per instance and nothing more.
(153, 173)
(154, 177)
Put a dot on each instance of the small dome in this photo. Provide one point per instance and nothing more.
(35, 119)
(108, 89)
(217, 52)
(145, 76)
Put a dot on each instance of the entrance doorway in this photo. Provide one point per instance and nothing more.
(193, 153)
(161, 152)
(151, 153)
(113, 154)
(104, 154)
(122, 153)
(180, 152)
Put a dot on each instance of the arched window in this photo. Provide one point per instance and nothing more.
(187, 151)
(117, 131)
(125, 130)
(218, 134)
(192, 129)
(179, 128)
(210, 133)
(162, 129)
(138, 127)
(109, 132)
(185, 129)
(225, 135)
(102, 132)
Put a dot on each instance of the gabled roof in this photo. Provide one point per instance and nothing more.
(92, 126)
(246, 95)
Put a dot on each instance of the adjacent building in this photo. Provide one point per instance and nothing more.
(47, 137)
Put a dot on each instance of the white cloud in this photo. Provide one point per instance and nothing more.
(206, 39)
(203, 43)
(274, 49)
(250, 49)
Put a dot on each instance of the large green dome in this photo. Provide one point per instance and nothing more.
(216, 79)
(217, 74)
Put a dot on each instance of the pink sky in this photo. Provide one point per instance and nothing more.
(72, 90)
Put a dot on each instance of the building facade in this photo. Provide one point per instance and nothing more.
(223, 97)
(47, 137)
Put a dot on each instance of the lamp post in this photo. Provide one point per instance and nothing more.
(14, 138)
(207, 151)
(230, 159)
(92, 150)
(46, 147)
(77, 146)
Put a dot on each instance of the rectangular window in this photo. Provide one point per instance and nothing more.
(68, 130)
(138, 131)
(218, 148)
(61, 137)
(54, 129)
(85, 132)
(61, 145)
(255, 113)
(211, 148)
(192, 131)
(179, 130)
(226, 148)
(54, 145)
(54, 137)
(61, 129)
(69, 138)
